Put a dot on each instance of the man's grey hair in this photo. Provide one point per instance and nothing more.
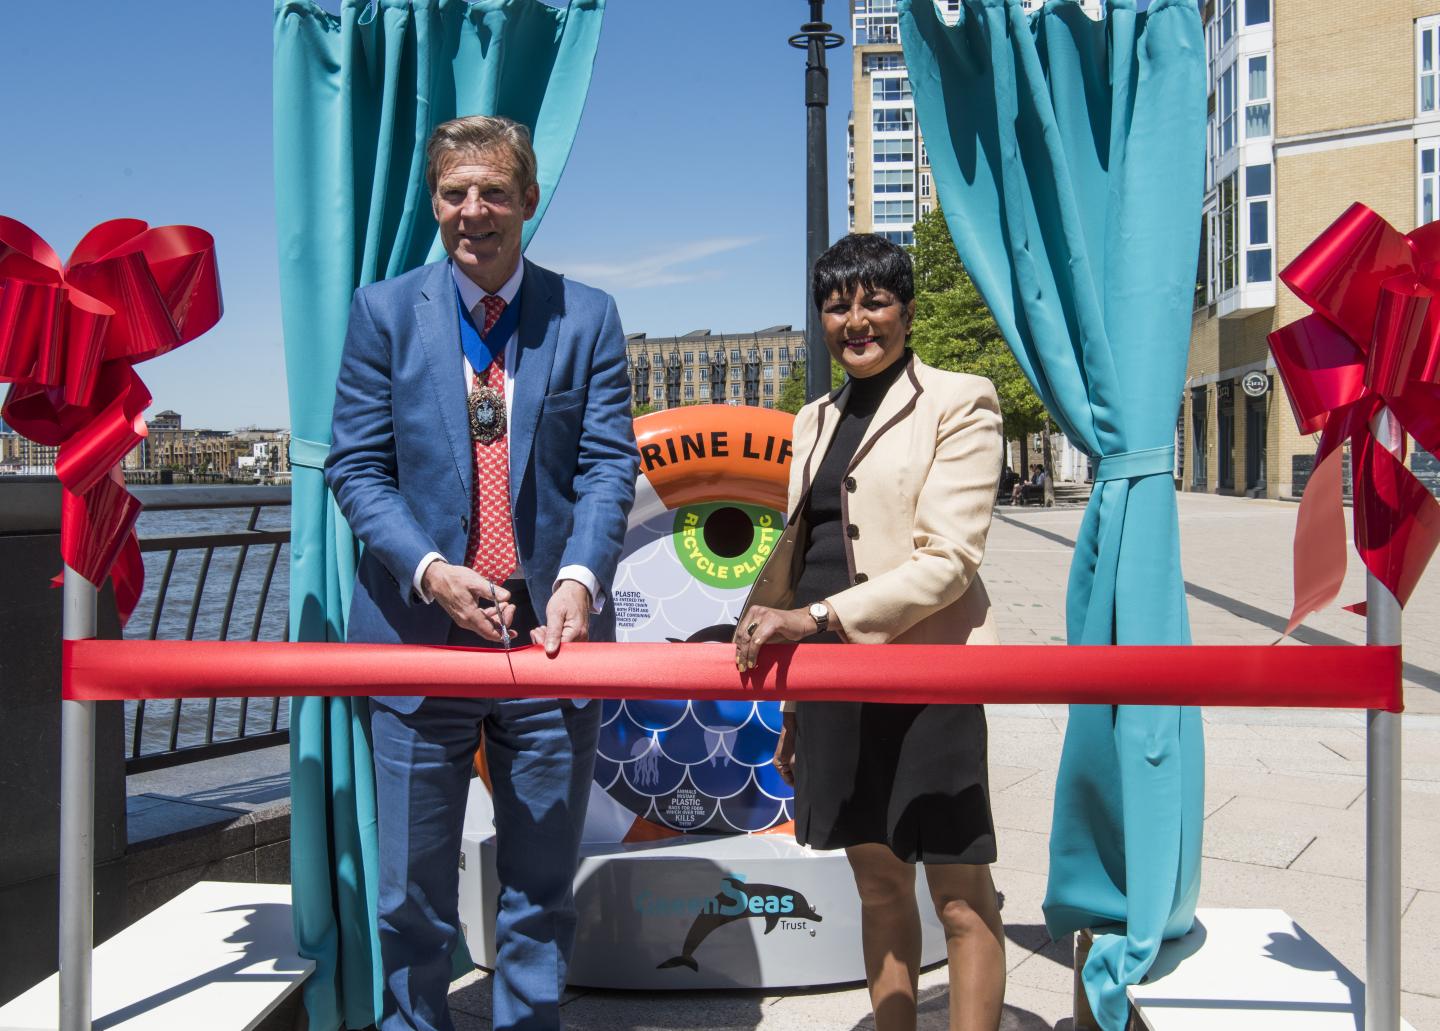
(476, 134)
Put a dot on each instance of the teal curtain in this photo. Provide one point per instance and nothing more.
(356, 96)
(1067, 155)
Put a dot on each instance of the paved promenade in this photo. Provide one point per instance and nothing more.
(1284, 788)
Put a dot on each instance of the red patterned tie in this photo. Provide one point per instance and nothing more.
(491, 548)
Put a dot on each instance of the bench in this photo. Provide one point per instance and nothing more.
(1248, 970)
(219, 956)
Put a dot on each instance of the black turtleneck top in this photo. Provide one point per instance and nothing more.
(825, 571)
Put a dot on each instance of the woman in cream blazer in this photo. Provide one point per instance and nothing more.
(891, 490)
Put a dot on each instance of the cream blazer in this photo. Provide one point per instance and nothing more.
(916, 500)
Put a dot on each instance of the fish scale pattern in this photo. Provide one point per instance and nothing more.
(695, 766)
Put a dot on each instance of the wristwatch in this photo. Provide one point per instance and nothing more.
(821, 615)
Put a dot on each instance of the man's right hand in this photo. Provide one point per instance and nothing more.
(469, 599)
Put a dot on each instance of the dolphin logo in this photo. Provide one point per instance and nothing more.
(718, 633)
(737, 900)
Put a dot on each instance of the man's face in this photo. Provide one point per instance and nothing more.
(482, 208)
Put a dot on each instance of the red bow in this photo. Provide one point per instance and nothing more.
(1368, 358)
(69, 336)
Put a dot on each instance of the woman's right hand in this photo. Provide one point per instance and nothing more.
(785, 749)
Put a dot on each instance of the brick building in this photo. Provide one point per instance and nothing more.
(1314, 105)
(709, 368)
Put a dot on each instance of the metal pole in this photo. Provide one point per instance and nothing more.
(1382, 805)
(815, 37)
(77, 823)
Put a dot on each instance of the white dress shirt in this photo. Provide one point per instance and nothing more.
(473, 296)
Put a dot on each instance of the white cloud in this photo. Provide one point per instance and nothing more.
(661, 268)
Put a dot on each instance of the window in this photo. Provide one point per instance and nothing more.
(888, 151)
(892, 211)
(1229, 230)
(1257, 12)
(705, 391)
(769, 372)
(1227, 21)
(1259, 260)
(1212, 139)
(659, 394)
(769, 389)
(689, 393)
(704, 357)
(1429, 196)
(884, 63)
(903, 237)
(1202, 267)
(893, 119)
(924, 153)
(1427, 63)
(689, 375)
(769, 354)
(735, 354)
(784, 368)
(924, 184)
(1257, 111)
(734, 389)
(924, 209)
(1227, 111)
(890, 88)
(878, 29)
(1212, 237)
(894, 181)
(689, 357)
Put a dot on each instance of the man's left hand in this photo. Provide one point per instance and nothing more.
(567, 617)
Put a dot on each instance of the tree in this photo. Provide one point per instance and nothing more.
(640, 408)
(792, 391)
(953, 329)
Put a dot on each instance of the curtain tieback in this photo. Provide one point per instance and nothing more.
(309, 454)
(1129, 465)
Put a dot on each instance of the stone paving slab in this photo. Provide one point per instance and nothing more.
(1284, 793)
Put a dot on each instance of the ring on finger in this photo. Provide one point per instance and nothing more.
(750, 630)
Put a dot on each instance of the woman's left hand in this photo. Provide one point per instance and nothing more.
(761, 625)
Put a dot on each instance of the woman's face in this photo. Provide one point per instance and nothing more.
(866, 331)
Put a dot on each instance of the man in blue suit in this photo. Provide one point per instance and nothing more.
(483, 454)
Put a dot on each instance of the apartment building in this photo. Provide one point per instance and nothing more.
(888, 167)
(1313, 105)
(713, 368)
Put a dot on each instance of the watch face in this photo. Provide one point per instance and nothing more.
(820, 612)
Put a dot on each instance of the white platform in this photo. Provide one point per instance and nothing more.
(1249, 970)
(698, 912)
(219, 956)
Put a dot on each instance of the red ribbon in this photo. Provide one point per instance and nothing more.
(1368, 358)
(69, 338)
(1310, 677)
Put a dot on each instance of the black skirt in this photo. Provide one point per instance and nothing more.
(912, 777)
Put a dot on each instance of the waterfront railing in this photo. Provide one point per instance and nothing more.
(216, 568)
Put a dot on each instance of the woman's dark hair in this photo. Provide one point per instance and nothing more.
(863, 261)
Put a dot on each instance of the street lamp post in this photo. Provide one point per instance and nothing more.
(815, 37)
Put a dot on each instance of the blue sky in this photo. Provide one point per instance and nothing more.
(684, 195)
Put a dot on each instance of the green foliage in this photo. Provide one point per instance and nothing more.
(954, 329)
(637, 410)
(792, 391)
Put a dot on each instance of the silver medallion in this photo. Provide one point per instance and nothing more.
(487, 414)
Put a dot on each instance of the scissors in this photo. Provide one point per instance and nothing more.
(505, 634)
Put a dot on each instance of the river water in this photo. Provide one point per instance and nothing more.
(209, 618)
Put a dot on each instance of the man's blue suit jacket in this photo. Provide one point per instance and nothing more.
(401, 462)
